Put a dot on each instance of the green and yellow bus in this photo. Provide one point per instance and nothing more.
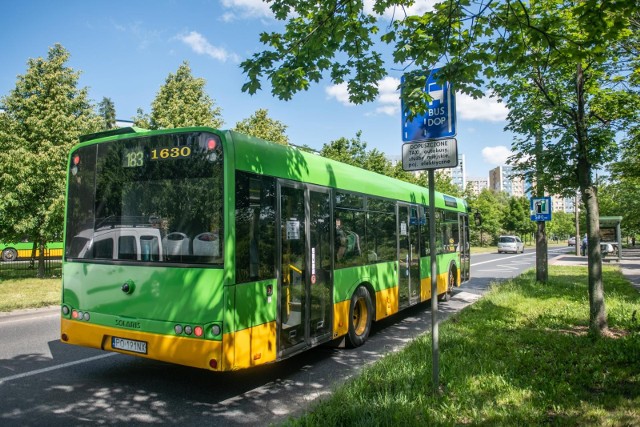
(221, 251)
(25, 250)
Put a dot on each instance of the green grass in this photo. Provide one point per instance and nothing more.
(29, 293)
(519, 356)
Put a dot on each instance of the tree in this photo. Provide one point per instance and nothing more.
(354, 152)
(516, 218)
(578, 58)
(107, 111)
(561, 226)
(491, 206)
(262, 126)
(181, 102)
(44, 116)
(142, 119)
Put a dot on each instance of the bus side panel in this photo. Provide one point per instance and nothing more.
(254, 341)
(382, 277)
(340, 318)
(443, 262)
(251, 347)
(386, 302)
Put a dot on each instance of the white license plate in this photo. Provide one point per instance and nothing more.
(129, 345)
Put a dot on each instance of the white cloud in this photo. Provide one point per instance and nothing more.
(200, 45)
(419, 7)
(387, 102)
(496, 155)
(340, 93)
(241, 9)
(389, 96)
(143, 36)
(484, 109)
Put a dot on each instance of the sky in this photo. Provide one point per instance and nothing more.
(126, 49)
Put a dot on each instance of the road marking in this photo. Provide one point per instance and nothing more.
(54, 368)
(500, 259)
(4, 321)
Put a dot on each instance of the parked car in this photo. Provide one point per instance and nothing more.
(510, 244)
(571, 241)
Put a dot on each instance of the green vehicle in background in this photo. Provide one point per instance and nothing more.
(25, 250)
(221, 251)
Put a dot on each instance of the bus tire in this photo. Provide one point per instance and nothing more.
(9, 254)
(361, 317)
(451, 282)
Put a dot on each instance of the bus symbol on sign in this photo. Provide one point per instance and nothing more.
(439, 121)
(540, 208)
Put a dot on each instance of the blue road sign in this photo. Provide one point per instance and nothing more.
(540, 208)
(439, 121)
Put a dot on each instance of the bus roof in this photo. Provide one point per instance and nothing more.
(295, 164)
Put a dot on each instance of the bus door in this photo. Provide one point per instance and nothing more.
(464, 247)
(408, 255)
(305, 281)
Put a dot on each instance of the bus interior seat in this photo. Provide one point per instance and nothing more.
(176, 244)
(206, 244)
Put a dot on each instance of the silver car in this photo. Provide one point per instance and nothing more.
(510, 244)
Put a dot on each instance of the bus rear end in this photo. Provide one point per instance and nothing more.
(143, 263)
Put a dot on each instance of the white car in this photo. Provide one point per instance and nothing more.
(510, 244)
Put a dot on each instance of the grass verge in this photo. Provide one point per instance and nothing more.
(520, 356)
(29, 293)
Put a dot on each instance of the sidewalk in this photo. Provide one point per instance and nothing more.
(629, 263)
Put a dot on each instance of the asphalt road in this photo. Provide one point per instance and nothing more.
(45, 382)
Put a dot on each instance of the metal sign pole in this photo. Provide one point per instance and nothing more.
(434, 282)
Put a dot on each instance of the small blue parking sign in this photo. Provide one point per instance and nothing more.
(540, 208)
(439, 121)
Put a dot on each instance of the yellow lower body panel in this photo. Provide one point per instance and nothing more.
(425, 286)
(238, 350)
(386, 302)
(183, 351)
(341, 318)
(250, 347)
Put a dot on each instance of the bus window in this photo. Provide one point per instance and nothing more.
(255, 227)
(167, 187)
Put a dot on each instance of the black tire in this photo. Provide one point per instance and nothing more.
(361, 317)
(9, 254)
(451, 282)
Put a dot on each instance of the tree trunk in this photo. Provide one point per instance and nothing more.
(41, 260)
(542, 260)
(597, 312)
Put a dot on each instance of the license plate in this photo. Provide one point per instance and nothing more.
(129, 345)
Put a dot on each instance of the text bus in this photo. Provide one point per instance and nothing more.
(222, 251)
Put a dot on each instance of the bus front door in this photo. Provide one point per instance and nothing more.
(305, 267)
(408, 256)
(464, 248)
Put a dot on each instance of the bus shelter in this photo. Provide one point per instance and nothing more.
(610, 232)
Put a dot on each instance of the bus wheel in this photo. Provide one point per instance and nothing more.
(361, 315)
(9, 254)
(451, 281)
